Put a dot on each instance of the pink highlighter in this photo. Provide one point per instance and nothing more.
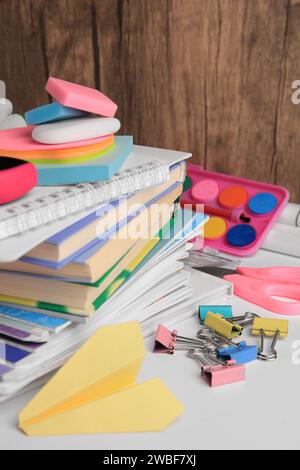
(242, 212)
(17, 178)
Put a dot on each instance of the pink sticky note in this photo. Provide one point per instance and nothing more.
(20, 139)
(81, 97)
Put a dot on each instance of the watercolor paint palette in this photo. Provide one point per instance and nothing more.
(242, 212)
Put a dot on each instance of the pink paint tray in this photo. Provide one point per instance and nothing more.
(242, 212)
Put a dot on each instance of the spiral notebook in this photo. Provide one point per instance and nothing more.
(47, 211)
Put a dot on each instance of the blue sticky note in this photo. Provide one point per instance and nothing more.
(224, 310)
(99, 169)
(50, 113)
(31, 318)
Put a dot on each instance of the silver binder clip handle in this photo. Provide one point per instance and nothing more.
(273, 354)
(206, 358)
(244, 320)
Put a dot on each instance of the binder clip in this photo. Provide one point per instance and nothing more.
(268, 327)
(245, 320)
(224, 310)
(241, 354)
(212, 338)
(224, 327)
(227, 350)
(167, 341)
(215, 372)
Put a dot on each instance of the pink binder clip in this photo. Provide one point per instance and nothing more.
(166, 341)
(215, 372)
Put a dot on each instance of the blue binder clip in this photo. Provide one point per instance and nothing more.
(228, 350)
(241, 354)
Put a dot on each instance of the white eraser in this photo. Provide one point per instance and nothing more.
(74, 130)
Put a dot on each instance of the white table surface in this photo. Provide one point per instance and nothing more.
(262, 413)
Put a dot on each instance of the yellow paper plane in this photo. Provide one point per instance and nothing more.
(96, 391)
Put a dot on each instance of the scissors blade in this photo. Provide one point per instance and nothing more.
(216, 271)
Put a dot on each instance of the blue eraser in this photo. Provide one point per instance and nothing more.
(51, 113)
(263, 204)
(224, 310)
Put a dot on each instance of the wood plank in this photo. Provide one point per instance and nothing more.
(287, 162)
(206, 73)
(213, 77)
(69, 38)
(112, 55)
(186, 78)
(246, 41)
(151, 69)
(22, 56)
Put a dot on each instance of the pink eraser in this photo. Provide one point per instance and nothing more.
(81, 97)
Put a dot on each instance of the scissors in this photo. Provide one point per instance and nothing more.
(260, 286)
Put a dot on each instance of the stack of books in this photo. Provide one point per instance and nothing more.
(76, 258)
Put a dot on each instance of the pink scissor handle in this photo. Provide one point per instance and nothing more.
(262, 292)
(283, 275)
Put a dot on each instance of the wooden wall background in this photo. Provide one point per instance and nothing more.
(210, 76)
